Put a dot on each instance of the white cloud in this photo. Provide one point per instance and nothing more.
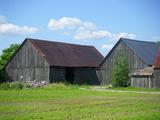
(122, 35)
(9, 29)
(12, 29)
(107, 46)
(63, 23)
(70, 24)
(87, 34)
(2, 19)
(84, 30)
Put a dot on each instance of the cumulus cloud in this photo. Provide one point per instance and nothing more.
(122, 35)
(2, 19)
(69, 23)
(87, 34)
(84, 30)
(12, 29)
(107, 46)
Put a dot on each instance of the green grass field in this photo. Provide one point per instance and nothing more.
(60, 102)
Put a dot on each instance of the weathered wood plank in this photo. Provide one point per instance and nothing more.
(27, 64)
(133, 60)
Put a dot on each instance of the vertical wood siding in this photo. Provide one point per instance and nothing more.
(147, 81)
(134, 61)
(156, 82)
(142, 81)
(27, 64)
(86, 76)
(81, 75)
(57, 74)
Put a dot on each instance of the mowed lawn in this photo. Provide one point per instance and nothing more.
(60, 102)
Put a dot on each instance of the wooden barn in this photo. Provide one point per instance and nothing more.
(140, 56)
(54, 62)
(148, 77)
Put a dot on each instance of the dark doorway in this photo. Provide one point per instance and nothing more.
(69, 75)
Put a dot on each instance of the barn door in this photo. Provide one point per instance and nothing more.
(69, 75)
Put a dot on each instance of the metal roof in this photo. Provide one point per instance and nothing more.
(157, 60)
(67, 55)
(147, 51)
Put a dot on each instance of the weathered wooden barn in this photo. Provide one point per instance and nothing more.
(54, 62)
(148, 77)
(140, 55)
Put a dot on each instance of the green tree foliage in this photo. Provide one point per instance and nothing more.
(120, 72)
(5, 56)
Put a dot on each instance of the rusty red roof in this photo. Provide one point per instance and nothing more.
(67, 55)
(157, 60)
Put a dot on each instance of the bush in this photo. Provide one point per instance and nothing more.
(16, 85)
(11, 86)
(120, 77)
(27, 86)
(4, 86)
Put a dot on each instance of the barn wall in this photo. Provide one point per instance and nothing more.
(86, 76)
(142, 81)
(106, 68)
(81, 75)
(57, 74)
(27, 64)
(147, 81)
(156, 82)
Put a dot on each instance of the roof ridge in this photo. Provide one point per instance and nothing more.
(44, 40)
(123, 39)
(66, 54)
(129, 44)
(149, 48)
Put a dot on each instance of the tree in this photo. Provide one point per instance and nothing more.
(5, 56)
(120, 72)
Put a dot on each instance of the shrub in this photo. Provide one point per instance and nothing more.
(16, 85)
(120, 77)
(11, 86)
(4, 86)
(26, 86)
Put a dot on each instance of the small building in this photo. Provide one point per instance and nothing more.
(148, 77)
(54, 62)
(140, 56)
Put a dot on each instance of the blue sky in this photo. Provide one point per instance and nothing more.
(90, 22)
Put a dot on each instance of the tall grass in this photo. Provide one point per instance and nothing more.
(14, 86)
